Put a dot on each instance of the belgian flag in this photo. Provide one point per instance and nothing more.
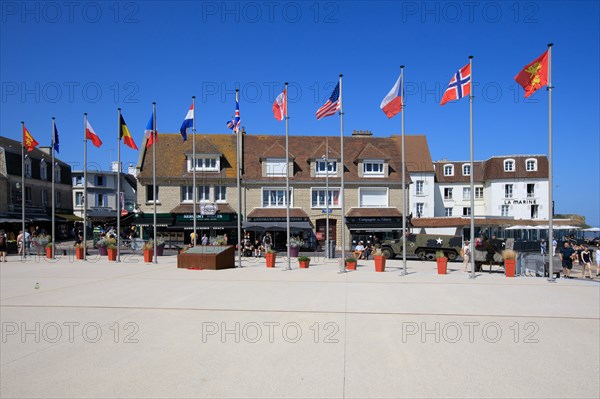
(125, 135)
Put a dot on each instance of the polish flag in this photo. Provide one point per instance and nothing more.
(392, 104)
(280, 106)
(90, 134)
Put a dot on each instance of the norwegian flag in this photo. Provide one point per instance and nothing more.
(234, 124)
(459, 86)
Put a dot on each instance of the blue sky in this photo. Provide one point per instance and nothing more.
(63, 59)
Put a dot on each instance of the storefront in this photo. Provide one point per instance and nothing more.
(274, 221)
(213, 220)
(365, 223)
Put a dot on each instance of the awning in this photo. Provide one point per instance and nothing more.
(276, 226)
(204, 225)
(69, 217)
(10, 220)
(148, 220)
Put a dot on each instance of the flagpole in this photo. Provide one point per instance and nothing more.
(23, 193)
(53, 195)
(84, 201)
(327, 205)
(118, 197)
(238, 183)
(550, 196)
(154, 134)
(403, 175)
(287, 179)
(343, 199)
(471, 177)
(194, 167)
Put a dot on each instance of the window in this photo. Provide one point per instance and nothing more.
(100, 181)
(319, 201)
(101, 200)
(28, 167)
(448, 170)
(275, 167)
(220, 193)
(466, 170)
(508, 191)
(504, 210)
(78, 180)
(447, 193)
(419, 187)
(466, 193)
(79, 199)
(534, 211)
(205, 164)
(43, 170)
(478, 192)
(187, 194)
(57, 174)
(530, 190)
(203, 193)
(44, 197)
(275, 197)
(509, 165)
(322, 166)
(531, 165)
(28, 195)
(448, 211)
(467, 211)
(150, 193)
(373, 168)
(373, 197)
(419, 209)
(58, 198)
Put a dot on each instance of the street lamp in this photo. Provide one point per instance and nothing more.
(325, 159)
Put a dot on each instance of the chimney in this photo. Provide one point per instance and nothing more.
(131, 169)
(114, 166)
(362, 133)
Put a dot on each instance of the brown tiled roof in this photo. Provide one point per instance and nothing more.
(418, 157)
(277, 150)
(188, 208)
(493, 168)
(371, 152)
(374, 212)
(171, 161)
(466, 221)
(321, 149)
(276, 213)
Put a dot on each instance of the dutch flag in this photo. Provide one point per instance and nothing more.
(187, 122)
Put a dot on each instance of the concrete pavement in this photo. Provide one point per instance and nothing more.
(100, 329)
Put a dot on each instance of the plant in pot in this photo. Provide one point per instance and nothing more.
(510, 262)
(160, 246)
(442, 262)
(350, 263)
(270, 256)
(102, 244)
(149, 251)
(379, 260)
(111, 249)
(49, 251)
(303, 262)
(79, 251)
(295, 244)
(220, 240)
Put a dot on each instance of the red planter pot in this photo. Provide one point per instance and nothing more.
(510, 266)
(350, 265)
(79, 253)
(303, 264)
(379, 263)
(442, 265)
(112, 254)
(49, 252)
(148, 255)
(270, 257)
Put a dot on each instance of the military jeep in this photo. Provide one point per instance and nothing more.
(423, 246)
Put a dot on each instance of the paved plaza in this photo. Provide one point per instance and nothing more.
(99, 329)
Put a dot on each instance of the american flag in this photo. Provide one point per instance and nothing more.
(234, 124)
(332, 105)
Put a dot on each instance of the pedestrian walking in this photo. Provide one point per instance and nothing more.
(598, 261)
(566, 255)
(543, 247)
(3, 239)
(267, 242)
(586, 261)
(466, 250)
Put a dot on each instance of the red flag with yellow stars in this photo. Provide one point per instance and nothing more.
(28, 140)
(535, 75)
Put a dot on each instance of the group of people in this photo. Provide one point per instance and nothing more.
(581, 254)
(259, 246)
(362, 251)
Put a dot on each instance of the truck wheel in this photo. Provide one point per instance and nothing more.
(387, 252)
(451, 255)
(430, 255)
(421, 254)
(477, 267)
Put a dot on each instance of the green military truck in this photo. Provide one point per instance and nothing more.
(423, 246)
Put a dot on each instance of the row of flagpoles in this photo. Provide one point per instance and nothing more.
(535, 75)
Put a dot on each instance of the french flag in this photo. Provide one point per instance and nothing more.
(392, 103)
(150, 133)
(187, 122)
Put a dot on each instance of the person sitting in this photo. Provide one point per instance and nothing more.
(367, 252)
(258, 249)
(358, 250)
(248, 248)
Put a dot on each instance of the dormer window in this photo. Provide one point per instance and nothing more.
(466, 169)
(448, 170)
(373, 168)
(43, 170)
(323, 168)
(28, 167)
(275, 167)
(531, 165)
(509, 165)
(205, 164)
(57, 174)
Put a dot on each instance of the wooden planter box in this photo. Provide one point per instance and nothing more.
(112, 254)
(379, 263)
(212, 257)
(442, 265)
